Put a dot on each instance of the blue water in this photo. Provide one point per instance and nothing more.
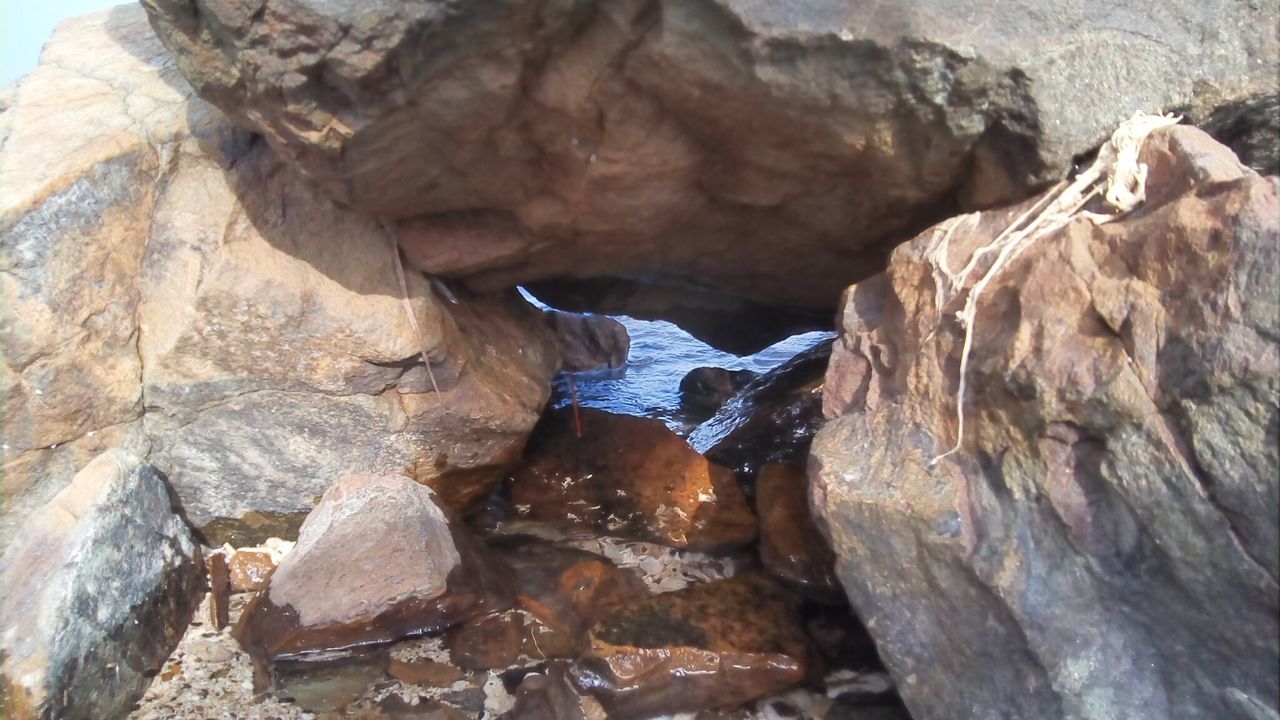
(661, 355)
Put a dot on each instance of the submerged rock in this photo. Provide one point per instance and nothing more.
(718, 644)
(94, 594)
(791, 547)
(703, 390)
(547, 695)
(628, 477)
(148, 246)
(566, 591)
(378, 559)
(589, 342)
(723, 145)
(771, 420)
(486, 643)
(1105, 543)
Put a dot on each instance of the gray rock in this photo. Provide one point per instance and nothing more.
(97, 589)
(1106, 543)
(589, 342)
(771, 151)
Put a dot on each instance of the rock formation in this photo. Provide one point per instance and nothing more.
(720, 145)
(95, 593)
(1105, 543)
(171, 288)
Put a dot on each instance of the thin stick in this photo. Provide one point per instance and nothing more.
(408, 310)
(573, 395)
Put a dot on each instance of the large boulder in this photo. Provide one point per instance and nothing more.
(170, 287)
(1105, 542)
(95, 594)
(722, 144)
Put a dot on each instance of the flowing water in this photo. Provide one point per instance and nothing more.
(661, 354)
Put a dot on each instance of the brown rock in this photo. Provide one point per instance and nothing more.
(790, 545)
(148, 246)
(1105, 542)
(723, 145)
(250, 569)
(566, 591)
(425, 672)
(548, 695)
(376, 560)
(486, 643)
(717, 644)
(589, 342)
(628, 477)
(219, 590)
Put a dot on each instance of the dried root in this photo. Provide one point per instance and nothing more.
(408, 310)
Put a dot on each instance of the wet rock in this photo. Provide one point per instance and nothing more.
(791, 547)
(628, 477)
(328, 686)
(566, 591)
(393, 706)
(96, 590)
(718, 644)
(250, 569)
(376, 560)
(486, 643)
(469, 700)
(703, 390)
(684, 140)
(589, 342)
(771, 420)
(839, 638)
(148, 245)
(1113, 501)
(219, 589)
(548, 695)
(424, 672)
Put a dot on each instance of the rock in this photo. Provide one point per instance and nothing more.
(328, 686)
(683, 140)
(791, 547)
(378, 559)
(1105, 544)
(717, 644)
(566, 591)
(772, 420)
(97, 588)
(219, 590)
(424, 672)
(628, 477)
(469, 700)
(250, 569)
(589, 342)
(151, 248)
(547, 696)
(486, 643)
(393, 706)
(703, 390)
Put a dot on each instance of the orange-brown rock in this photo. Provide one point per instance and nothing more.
(250, 569)
(790, 545)
(566, 591)
(486, 643)
(376, 560)
(717, 644)
(628, 477)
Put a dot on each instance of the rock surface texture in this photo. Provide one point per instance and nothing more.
(95, 593)
(378, 559)
(720, 143)
(1105, 543)
(629, 477)
(169, 287)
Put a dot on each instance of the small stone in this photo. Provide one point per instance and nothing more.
(213, 651)
(250, 569)
(470, 700)
(425, 672)
(492, 642)
(219, 595)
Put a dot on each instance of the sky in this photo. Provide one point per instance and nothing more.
(26, 24)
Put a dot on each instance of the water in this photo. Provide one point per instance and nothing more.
(661, 354)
